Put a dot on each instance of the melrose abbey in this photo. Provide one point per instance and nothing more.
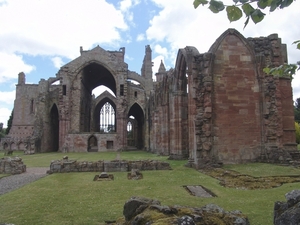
(212, 107)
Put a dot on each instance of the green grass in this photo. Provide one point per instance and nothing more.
(74, 198)
(263, 169)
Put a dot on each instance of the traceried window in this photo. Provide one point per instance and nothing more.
(107, 118)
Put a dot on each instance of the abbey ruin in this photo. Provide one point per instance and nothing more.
(213, 106)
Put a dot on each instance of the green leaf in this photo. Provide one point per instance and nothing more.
(286, 3)
(216, 6)
(199, 2)
(243, 1)
(274, 4)
(248, 9)
(262, 4)
(298, 44)
(266, 70)
(234, 13)
(257, 16)
(285, 70)
(246, 22)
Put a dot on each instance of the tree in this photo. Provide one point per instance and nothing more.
(9, 122)
(297, 128)
(254, 9)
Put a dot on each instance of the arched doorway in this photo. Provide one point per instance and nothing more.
(92, 144)
(54, 129)
(132, 132)
(137, 119)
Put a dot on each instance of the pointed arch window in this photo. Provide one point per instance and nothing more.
(107, 118)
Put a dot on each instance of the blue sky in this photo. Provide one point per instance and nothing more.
(39, 36)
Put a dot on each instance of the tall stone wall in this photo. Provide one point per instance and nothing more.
(235, 112)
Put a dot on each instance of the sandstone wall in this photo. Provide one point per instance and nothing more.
(65, 166)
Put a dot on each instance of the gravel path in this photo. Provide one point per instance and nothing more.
(14, 182)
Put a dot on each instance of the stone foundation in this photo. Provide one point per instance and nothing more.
(12, 165)
(66, 166)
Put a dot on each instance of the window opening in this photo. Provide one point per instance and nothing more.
(64, 89)
(31, 106)
(107, 118)
(109, 145)
(122, 89)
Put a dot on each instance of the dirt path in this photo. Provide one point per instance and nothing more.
(14, 182)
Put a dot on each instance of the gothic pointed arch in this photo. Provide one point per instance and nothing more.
(92, 76)
(230, 34)
(235, 72)
(105, 115)
(136, 116)
(54, 129)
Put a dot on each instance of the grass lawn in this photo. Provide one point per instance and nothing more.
(74, 198)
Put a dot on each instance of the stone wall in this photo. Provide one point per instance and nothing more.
(66, 166)
(13, 165)
(235, 113)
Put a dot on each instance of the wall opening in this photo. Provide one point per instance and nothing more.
(54, 129)
(132, 132)
(64, 89)
(93, 76)
(136, 117)
(92, 144)
(109, 144)
(107, 118)
(121, 89)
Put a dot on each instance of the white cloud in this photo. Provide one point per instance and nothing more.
(4, 116)
(7, 97)
(140, 37)
(6, 105)
(57, 61)
(161, 50)
(126, 6)
(51, 28)
(11, 65)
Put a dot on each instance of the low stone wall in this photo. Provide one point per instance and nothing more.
(65, 166)
(12, 165)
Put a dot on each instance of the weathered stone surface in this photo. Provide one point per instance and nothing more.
(135, 174)
(12, 165)
(65, 166)
(138, 210)
(212, 107)
(288, 212)
(136, 205)
(104, 177)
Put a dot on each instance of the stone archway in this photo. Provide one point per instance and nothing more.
(92, 144)
(5, 146)
(93, 75)
(137, 113)
(54, 129)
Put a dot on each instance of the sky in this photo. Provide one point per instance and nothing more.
(37, 37)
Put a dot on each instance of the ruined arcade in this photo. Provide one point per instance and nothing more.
(217, 106)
